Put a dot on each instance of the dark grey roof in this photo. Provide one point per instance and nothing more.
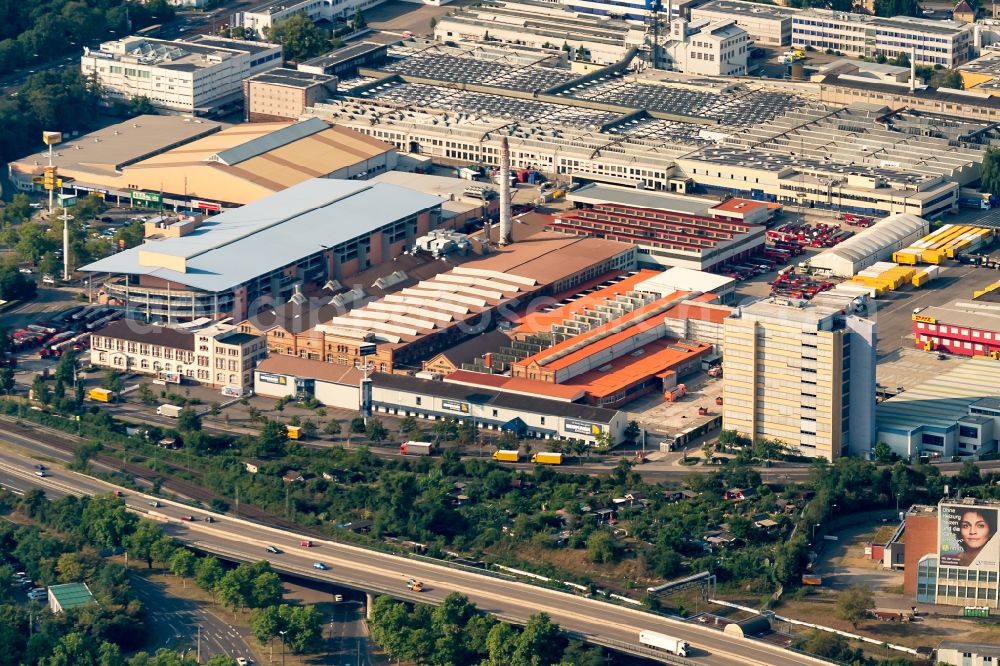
(981, 649)
(987, 403)
(493, 397)
(232, 45)
(292, 78)
(235, 338)
(135, 331)
(344, 54)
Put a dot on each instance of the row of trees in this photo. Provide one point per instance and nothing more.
(456, 632)
(37, 31)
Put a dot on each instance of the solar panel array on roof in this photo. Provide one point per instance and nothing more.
(743, 107)
(495, 106)
(270, 141)
(464, 69)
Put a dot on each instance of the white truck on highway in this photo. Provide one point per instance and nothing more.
(660, 641)
(168, 410)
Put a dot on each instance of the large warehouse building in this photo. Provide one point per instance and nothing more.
(259, 255)
(956, 412)
(874, 244)
(185, 163)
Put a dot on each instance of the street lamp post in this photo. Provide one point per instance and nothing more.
(282, 634)
(815, 525)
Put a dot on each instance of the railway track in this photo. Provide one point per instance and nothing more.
(176, 485)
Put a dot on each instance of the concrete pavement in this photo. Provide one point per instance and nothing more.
(362, 569)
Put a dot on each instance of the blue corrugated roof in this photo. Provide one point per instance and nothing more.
(273, 232)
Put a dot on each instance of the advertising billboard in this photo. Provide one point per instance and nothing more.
(582, 427)
(268, 378)
(455, 406)
(967, 536)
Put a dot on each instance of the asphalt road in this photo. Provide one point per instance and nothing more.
(180, 624)
(363, 569)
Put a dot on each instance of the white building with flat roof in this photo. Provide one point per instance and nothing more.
(929, 42)
(707, 47)
(202, 76)
(269, 14)
(767, 25)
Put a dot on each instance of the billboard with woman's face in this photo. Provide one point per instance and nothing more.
(967, 536)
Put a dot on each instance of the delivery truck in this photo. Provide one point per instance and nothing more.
(100, 395)
(506, 456)
(416, 448)
(173, 411)
(543, 458)
(658, 641)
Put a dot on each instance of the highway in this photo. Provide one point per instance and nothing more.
(362, 569)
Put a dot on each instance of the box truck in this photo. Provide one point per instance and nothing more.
(100, 394)
(543, 458)
(416, 448)
(173, 411)
(660, 641)
(506, 456)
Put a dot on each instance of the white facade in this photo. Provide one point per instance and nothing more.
(199, 77)
(872, 245)
(707, 48)
(929, 42)
(767, 25)
(266, 16)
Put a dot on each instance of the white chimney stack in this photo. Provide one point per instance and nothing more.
(506, 224)
(913, 69)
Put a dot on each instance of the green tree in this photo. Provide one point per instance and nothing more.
(989, 173)
(265, 623)
(358, 426)
(632, 431)
(854, 603)
(882, 452)
(208, 572)
(333, 428)
(375, 431)
(359, 20)
(541, 642)
(947, 78)
(113, 382)
(309, 428)
(106, 522)
(271, 440)
(7, 380)
(140, 542)
(409, 427)
(300, 38)
(182, 564)
(602, 547)
(188, 420)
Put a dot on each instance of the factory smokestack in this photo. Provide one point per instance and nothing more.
(506, 224)
(913, 69)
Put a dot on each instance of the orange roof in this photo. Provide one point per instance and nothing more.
(603, 343)
(626, 371)
(714, 314)
(737, 205)
(517, 385)
(539, 322)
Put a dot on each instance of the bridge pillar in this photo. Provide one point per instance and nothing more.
(369, 602)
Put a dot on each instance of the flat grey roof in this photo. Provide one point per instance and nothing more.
(941, 400)
(116, 146)
(598, 193)
(274, 4)
(344, 54)
(292, 77)
(240, 245)
(981, 649)
(736, 9)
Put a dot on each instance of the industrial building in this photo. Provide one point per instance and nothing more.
(600, 40)
(193, 164)
(334, 385)
(963, 328)
(946, 566)
(668, 230)
(953, 413)
(526, 416)
(414, 320)
(767, 25)
(345, 61)
(871, 245)
(284, 94)
(802, 375)
(259, 19)
(212, 354)
(202, 75)
(259, 255)
(706, 47)
(928, 41)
